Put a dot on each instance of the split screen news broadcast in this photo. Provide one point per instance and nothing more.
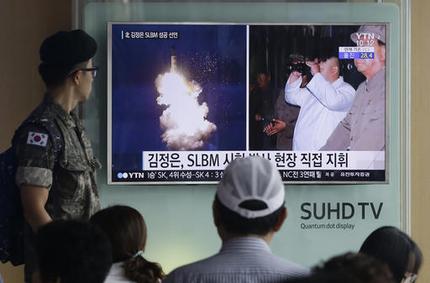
(186, 99)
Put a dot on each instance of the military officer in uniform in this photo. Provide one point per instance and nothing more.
(56, 167)
(363, 128)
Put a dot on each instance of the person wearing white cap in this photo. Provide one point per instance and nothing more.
(249, 208)
(363, 128)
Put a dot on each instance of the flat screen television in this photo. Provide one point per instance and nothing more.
(184, 99)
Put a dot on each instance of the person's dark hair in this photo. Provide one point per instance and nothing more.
(395, 248)
(416, 259)
(71, 251)
(340, 276)
(126, 230)
(55, 75)
(380, 43)
(233, 223)
(262, 72)
(355, 267)
(350, 268)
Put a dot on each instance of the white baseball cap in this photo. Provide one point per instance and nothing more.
(251, 179)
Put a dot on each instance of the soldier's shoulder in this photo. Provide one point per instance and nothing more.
(42, 114)
(41, 120)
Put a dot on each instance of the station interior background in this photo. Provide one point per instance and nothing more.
(26, 23)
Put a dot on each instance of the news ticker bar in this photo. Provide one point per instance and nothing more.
(163, 176)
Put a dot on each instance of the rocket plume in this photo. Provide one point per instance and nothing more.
(184, 120)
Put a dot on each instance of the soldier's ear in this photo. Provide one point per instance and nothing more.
(77, 77)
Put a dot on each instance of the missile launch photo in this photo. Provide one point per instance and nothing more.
(184, 118)
(177, 87)
(172, 60)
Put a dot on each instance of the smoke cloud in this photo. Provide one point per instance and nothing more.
(184, 120)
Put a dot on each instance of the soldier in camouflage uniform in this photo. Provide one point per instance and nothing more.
(56, 166)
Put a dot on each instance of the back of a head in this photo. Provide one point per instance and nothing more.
(250, 197)
(61, 52)
(71, 251)
(126, 230)
(326, 277)
(352, 268)
(395, 248)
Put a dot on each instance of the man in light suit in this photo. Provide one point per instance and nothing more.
(363, 128)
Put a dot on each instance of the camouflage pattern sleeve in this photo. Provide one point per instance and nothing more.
(35, 157)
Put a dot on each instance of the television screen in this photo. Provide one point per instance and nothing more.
(186, 99)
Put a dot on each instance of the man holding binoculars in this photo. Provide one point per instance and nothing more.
(324, 101)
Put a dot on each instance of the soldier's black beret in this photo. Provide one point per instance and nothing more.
(67, 48)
